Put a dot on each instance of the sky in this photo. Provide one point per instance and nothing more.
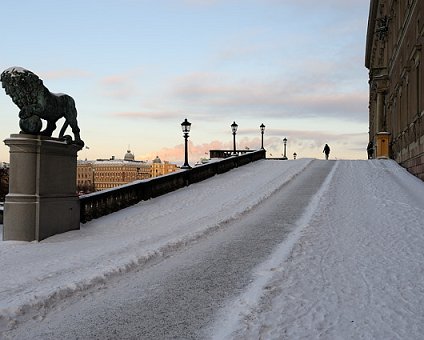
(136, 69)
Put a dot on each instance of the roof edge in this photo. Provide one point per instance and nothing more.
(370, 31)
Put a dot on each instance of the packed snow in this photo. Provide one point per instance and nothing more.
(352, 268)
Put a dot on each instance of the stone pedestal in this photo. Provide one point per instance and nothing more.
(383, 140)
(42, 199)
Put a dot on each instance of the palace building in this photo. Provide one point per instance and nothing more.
(110, 173)
(396, 81)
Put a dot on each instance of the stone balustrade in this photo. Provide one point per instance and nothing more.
(104, 202)
(227, 153)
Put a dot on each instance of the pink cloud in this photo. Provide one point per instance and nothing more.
(196, 151)
(121, 86)
(114, 80)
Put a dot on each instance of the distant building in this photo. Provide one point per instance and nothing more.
(159, 169)
(85, 176)
(115, 172)
(396, 81)
(110, 173)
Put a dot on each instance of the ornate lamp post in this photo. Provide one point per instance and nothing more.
(285, 146)
(185, 126)
(262, 127)
(234, 127)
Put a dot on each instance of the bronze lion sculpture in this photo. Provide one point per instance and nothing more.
(35, 101)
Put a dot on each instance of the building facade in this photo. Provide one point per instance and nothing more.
(110, 173)
(159, 168)
(396, 80)
(85, 176)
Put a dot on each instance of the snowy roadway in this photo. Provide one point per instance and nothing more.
(347, 265)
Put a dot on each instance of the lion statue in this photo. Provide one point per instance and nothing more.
(35, 101)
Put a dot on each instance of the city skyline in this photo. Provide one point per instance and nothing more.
(137, 69)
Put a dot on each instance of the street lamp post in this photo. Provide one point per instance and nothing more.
(262, 127)
(185, 126)
(285, 147)
(234, 127)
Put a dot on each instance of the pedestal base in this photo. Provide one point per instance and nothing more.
(42, 199)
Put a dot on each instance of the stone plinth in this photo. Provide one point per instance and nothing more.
(42, 199)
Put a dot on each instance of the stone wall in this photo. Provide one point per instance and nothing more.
(108, 201)
(396, 76)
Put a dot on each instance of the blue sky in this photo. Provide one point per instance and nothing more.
(138, 68)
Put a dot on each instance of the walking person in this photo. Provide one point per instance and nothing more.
(326, 151)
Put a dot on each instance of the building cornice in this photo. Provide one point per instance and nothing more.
(370, 32)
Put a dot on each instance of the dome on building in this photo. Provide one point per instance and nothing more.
(129, 156)
(157, 160)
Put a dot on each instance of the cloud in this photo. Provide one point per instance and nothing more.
(114, 80)
(162, 115)
(65, 74)
(349, 105)
(317, 136)
(304, 143)
(284, 84)
(304, 97)
(122, 86)
(119, 87)
(196, 151)
(159, 115)
(248, 44)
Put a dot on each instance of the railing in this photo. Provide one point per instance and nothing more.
(227, 153)
(104, 202)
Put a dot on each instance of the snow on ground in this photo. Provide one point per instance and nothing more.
(355, 269)
(352, 269)
(34, 276)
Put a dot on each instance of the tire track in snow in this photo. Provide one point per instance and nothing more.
(235, 313)
(130, 239)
